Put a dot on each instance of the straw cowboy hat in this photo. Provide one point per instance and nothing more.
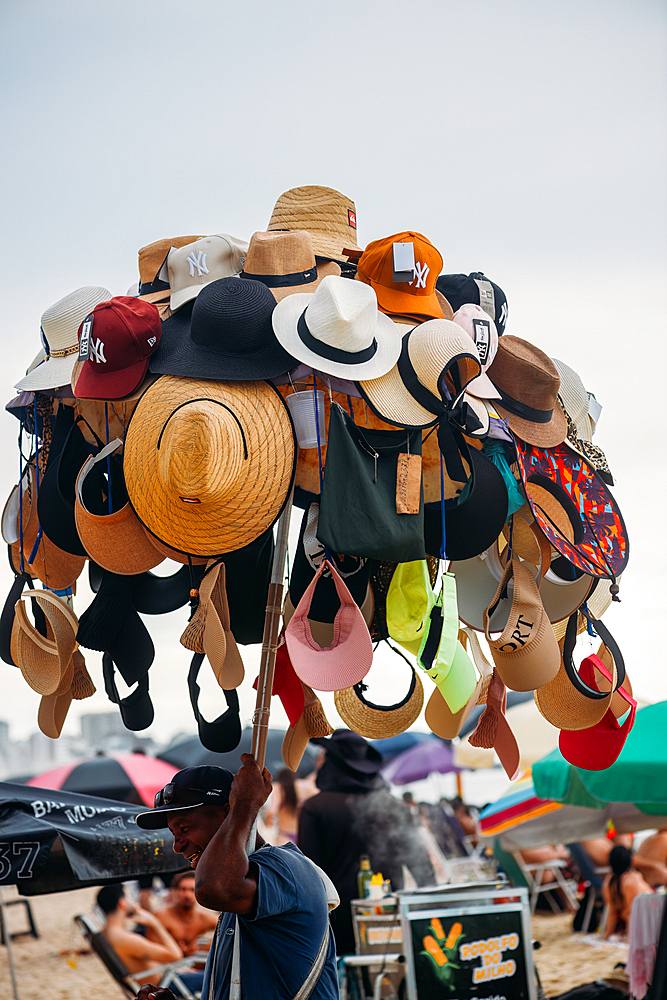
(209, 465)
(528, 382)
(285, 262)
(59, 330)
(329, 216)
(338, 330)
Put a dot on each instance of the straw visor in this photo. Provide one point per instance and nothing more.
(209, 465)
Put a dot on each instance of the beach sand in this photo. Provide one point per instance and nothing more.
(42, 970)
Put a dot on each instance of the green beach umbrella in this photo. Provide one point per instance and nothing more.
(639, 775)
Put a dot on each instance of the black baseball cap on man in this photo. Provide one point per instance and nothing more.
(206, 785)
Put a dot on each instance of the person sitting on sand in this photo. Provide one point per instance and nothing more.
(140, 953)
(184, 918)
(619, 889)
(651, 858)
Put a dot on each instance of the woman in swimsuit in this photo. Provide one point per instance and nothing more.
(619, 889)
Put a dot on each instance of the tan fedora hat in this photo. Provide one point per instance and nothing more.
(285, 263)
(526, 655)
(209, 465)
(153, 275)
(117, 541)
(45, 662)
(209, 630)
(377, 722)
(312, 723)
(439, 716)
(329, 216)
(56, 568)
(528, 383)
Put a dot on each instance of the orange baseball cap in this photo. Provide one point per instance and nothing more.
(416, 299)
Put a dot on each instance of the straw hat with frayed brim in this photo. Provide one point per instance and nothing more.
(377, 722)
(209, 465)
(432, 350)
(338, 330)
(116, 541)
(60, 326)
(528, 382)
(329, 216)
(285, 263)
(44, 662)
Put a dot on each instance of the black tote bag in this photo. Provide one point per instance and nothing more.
(358, 508)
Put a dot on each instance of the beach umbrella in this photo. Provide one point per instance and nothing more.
(393, 745)
(429, 756)
(131, 777)
(58, 840)
(638, 776)
(189, 752)
(522, 820)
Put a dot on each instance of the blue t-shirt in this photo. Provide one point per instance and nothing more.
(279, 944)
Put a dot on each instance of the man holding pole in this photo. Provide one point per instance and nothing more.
(273, 899)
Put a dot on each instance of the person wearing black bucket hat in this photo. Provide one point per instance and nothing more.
(354, 813)
(227, 335)
(271, 900)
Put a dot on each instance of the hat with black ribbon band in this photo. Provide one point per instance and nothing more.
(333, 353)
(458, 415)
(283, 280)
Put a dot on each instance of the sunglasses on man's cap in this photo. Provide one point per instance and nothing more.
(172, 795)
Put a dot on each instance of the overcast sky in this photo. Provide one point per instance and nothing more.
(525, 139)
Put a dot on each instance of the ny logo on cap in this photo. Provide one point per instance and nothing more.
(503, 314)
(199, 262)
(482, 338)
(97, 351)
(421, 274)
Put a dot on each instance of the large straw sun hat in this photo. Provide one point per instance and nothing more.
(329, 216)
(209, 465)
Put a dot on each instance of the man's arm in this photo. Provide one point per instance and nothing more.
(225, 880)
(163, 948)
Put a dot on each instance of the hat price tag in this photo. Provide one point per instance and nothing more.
(404, 262)
(594, 408)
(408, 483)
(84, 340)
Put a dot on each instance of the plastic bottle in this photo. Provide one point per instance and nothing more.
(364, 876)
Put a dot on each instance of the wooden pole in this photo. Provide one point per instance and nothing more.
(260, 719)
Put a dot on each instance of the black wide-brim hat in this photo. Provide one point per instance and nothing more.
(226, 335)
(474, 523)
(351, 750)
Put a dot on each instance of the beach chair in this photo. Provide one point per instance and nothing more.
(164, 975)
(530, 877)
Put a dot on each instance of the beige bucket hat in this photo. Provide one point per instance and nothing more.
(285, 263)
(329, 216)
(59, 329)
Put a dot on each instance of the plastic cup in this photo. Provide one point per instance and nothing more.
(302, 407)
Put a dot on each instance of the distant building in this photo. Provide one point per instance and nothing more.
(98, 728)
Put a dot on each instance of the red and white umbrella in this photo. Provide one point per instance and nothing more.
(129, 777)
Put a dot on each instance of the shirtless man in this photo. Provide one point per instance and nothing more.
(136, 951)
(185, 919)
(651, 858)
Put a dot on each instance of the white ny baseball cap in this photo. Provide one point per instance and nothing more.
(197, 264)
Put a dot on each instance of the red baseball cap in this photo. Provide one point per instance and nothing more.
(596, 748)
(115, 342)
